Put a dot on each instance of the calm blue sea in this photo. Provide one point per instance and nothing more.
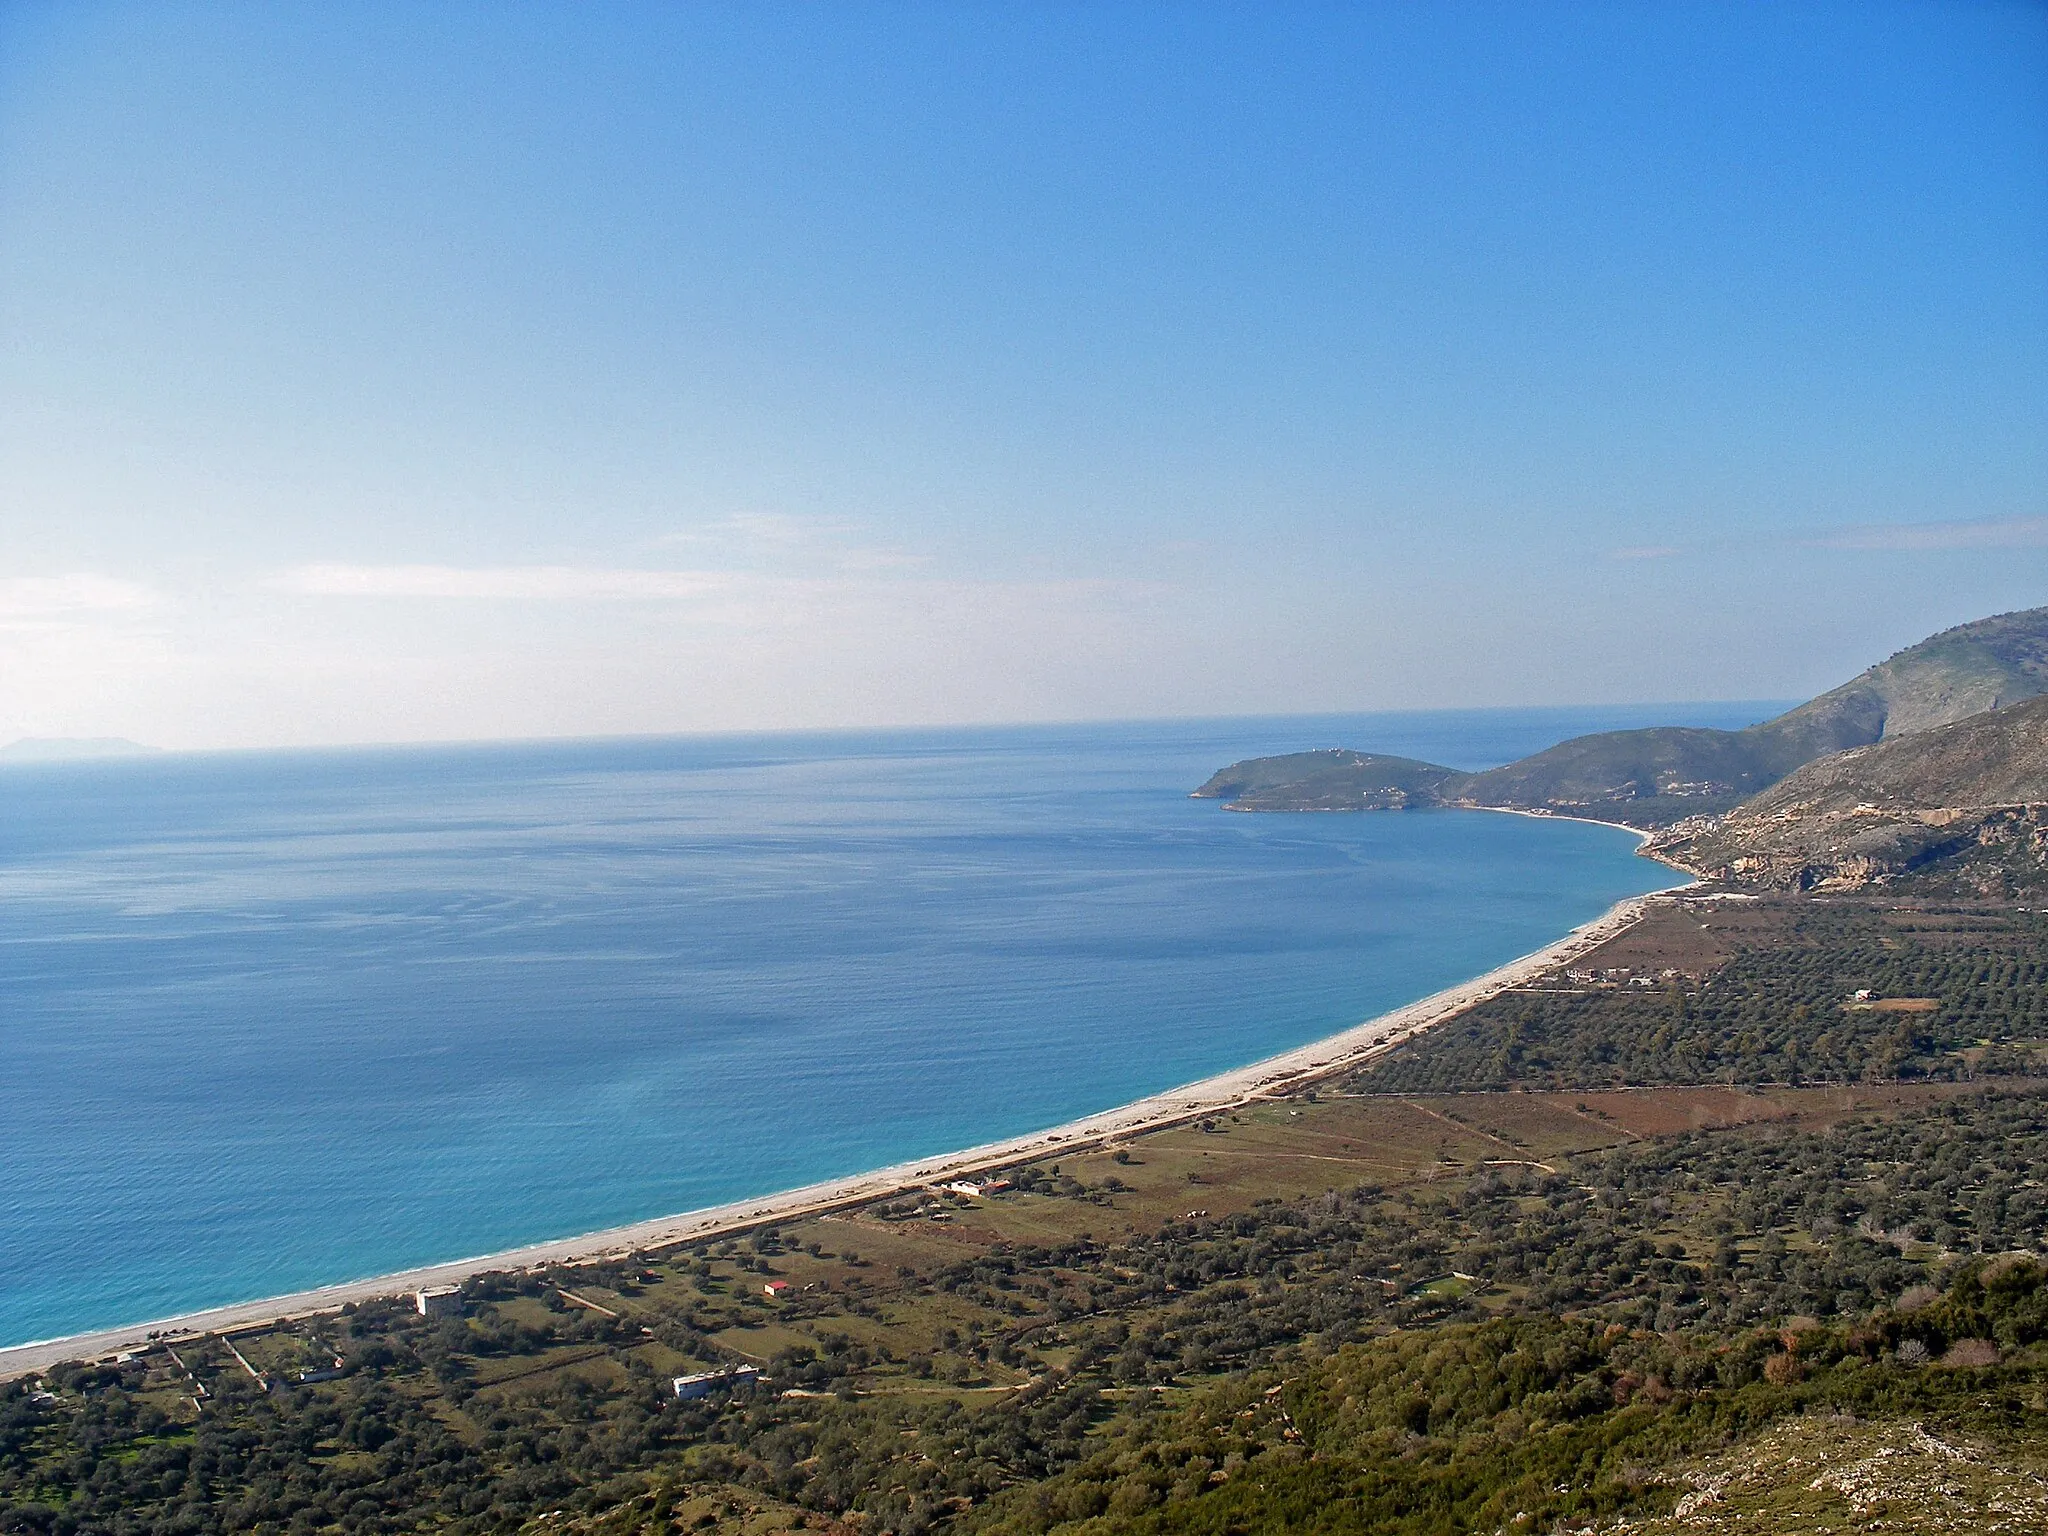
(269, 1020)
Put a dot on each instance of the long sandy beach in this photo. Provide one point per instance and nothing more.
(1274, 1075)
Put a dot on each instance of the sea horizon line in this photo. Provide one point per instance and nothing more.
(147, 752)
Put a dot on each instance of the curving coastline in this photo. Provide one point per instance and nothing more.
(1260, 1079)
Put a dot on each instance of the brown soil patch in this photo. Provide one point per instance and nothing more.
(1669, 936)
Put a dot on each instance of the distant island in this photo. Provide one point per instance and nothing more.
(1934, 757)
(57, 749)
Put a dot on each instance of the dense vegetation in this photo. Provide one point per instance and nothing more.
(1523, 1422)
(1659, 1254)
(1776, 1013)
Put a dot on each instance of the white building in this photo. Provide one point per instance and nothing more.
(704, 1383)
(976, 1188)
(439, 1301)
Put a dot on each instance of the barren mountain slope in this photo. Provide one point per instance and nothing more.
(1974, 794)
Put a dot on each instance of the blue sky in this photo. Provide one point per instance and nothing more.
(375, 372)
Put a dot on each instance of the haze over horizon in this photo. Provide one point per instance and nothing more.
(421, 372)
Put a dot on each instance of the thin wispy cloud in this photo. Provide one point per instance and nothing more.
(1645, 552)
(534, 583)
(37, 597)
(1977, 533)
(744, 599)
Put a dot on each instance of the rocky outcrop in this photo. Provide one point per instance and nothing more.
(1970, 798)
(1856, 849)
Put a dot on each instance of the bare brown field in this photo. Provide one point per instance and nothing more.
(1676, 935)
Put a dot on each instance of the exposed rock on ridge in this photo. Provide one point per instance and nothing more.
(1972, 796)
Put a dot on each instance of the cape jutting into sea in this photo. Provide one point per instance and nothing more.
(279, 1019)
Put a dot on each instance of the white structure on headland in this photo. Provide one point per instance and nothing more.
(704, 1383)
(439, 1301)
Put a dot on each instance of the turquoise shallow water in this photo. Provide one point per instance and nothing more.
(273, 1020)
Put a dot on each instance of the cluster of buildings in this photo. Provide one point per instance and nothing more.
(1624, 976)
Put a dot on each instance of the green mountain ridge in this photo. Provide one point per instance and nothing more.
(1662, 775)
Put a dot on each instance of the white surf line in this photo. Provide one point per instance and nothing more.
(1227, 1090)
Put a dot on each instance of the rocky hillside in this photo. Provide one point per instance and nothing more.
(1653, 778)
(1969, 800)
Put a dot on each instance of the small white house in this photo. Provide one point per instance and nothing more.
(974, 1189)
(439, 1301)
(704, 1383)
